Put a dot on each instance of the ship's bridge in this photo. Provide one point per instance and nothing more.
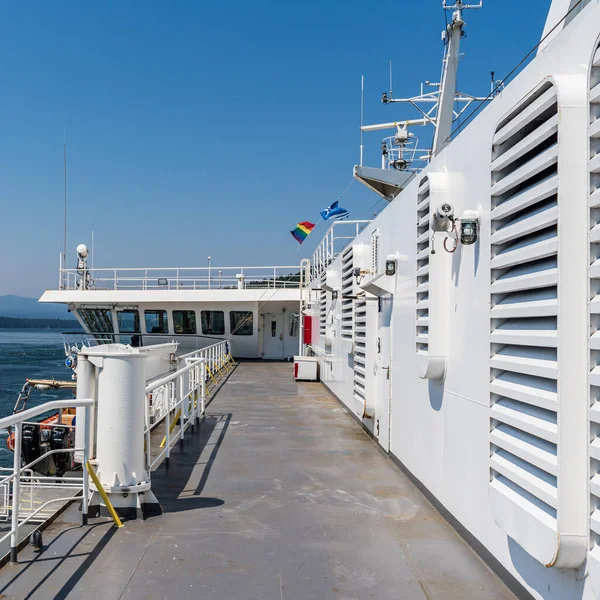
(256, 308)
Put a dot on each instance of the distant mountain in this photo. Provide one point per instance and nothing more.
(30, 308)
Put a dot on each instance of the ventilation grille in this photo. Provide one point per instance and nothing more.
(323, 305)
(347, 293)
(594, 378)
(375, 252)
(423, 237)
(360, 349)
(524, 307)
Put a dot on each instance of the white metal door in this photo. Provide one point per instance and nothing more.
(273, 336)
(384, 371)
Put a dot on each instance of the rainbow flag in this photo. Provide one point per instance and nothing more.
(302, 230)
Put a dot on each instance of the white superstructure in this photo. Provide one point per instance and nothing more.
(255, 308)
(475, 364)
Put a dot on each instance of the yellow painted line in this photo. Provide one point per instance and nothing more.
(109, 506)
(171, 427)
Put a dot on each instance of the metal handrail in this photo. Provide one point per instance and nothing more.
(16, 421)
(143, 278)
(189, 383)
(327, 249)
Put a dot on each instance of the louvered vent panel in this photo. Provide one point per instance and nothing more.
(347, 293)
(594, 272)
(360, 349)
(524, 308)
(375, 252)
(423, 237)
(323, 305)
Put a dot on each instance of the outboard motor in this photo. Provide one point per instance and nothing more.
(60, 440)
(36, 442)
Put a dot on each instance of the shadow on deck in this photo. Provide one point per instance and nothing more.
(277, 495)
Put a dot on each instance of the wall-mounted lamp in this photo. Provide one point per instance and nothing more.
(469, 227)
(334, 295)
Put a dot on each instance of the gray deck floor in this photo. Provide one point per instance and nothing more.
(279, 495)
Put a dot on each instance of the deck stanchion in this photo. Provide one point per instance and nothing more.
(179, 392)
(168, 435)
(14, 536)
(203, 398)
(86, 458)
(147, 432)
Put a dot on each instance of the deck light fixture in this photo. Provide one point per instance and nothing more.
(469, 227)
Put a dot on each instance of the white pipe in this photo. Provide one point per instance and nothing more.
(16, 486)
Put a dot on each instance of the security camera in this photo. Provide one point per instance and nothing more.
(443, 218)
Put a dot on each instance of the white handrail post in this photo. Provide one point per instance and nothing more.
(203, 379)
(115, 279)
(168, 434)
(185, 392)
(179, 395)
(86, 457)
(14, 535)
(147, 433)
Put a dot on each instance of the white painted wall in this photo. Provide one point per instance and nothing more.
(440, 430)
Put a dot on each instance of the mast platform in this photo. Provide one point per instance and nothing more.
(279, 494)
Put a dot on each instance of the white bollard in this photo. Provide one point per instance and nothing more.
(120, 456)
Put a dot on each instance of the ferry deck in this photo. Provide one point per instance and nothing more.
(278, 494)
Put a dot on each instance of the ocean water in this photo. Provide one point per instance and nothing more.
(28, 354)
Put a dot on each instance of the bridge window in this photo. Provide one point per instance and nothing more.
(294, 324)
(213, 322)
(156, 321)
(241, 322)
(128, 321)
(97, 320)
(184, 321)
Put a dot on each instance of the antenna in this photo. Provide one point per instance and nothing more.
(391, 93)
(362, 115)
(92, 249)
(65, 207)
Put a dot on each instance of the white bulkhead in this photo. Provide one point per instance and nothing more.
(492, 349)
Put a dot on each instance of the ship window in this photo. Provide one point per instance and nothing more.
(241, 322)
(213, 322)
(97, 320)
(294, 324)
(184, 321)
(128, 321)
(156, 321)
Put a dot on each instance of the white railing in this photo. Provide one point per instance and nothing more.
(184, 278)
(180, 397)
(26, 496)
(337, 237)
(407, 157)
(24, 474)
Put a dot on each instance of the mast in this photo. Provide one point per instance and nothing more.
(445, 114)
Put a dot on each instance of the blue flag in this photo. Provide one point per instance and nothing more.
(334, 212)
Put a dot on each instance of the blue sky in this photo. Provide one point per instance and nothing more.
(207, 128)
